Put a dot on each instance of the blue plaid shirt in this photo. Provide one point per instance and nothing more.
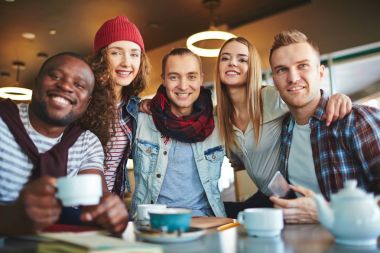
(347, 149)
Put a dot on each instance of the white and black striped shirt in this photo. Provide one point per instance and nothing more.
(16, 167)
(118, 145)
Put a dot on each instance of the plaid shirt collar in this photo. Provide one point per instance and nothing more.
(318, 113)
(320, 110)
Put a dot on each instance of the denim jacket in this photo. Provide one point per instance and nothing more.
(150, 159)
(130, 107)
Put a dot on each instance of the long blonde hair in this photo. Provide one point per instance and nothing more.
(225, 109)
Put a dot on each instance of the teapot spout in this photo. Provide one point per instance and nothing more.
(325, 213)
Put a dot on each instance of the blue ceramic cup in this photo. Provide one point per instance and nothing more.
(171, 219)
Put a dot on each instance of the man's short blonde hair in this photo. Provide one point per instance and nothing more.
(288, 37)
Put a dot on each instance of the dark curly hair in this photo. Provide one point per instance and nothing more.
(101, 112)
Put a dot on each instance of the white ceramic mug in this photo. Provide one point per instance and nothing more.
(80, 190)
(262, 222)
(144, 209)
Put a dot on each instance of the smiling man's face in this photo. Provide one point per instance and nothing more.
(183, 80)
(297, 74)
(63, 90)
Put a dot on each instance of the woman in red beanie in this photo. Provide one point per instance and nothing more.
(121, 69)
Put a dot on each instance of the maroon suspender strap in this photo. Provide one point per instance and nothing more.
(54, 161)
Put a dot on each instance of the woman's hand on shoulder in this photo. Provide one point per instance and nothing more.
(338, 106)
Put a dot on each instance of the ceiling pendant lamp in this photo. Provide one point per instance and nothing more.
(211, 34)
(16, 93)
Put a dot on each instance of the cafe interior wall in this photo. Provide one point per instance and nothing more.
(334, 25)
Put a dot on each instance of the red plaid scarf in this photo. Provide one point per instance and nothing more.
(192, 128)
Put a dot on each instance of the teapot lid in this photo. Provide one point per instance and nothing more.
(351, 191)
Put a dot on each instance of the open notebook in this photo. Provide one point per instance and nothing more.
(93, 242)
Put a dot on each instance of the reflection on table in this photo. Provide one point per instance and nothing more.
(294, 238)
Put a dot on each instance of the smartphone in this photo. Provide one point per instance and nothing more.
(279, 186)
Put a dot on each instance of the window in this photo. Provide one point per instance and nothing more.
(356, 72)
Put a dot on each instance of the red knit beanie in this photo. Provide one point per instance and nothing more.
(119, 28)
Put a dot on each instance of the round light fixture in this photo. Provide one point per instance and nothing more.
(16, 93)
(207, 35)
(19, 65)
(42, 55)
(52, 32)
(4, 73)
(28, 36)
(154, 25)
(211, 34)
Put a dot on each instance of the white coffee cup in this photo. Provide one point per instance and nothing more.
(262, 222)
(144, 209)
(82, 190)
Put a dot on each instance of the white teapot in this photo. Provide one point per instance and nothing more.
(353, 215)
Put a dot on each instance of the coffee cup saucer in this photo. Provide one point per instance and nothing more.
(264, 232)
(152, 235)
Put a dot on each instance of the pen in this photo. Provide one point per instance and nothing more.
(227, 226)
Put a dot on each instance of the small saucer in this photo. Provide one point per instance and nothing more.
(264, 232)
(357, 242)
(150, 235)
